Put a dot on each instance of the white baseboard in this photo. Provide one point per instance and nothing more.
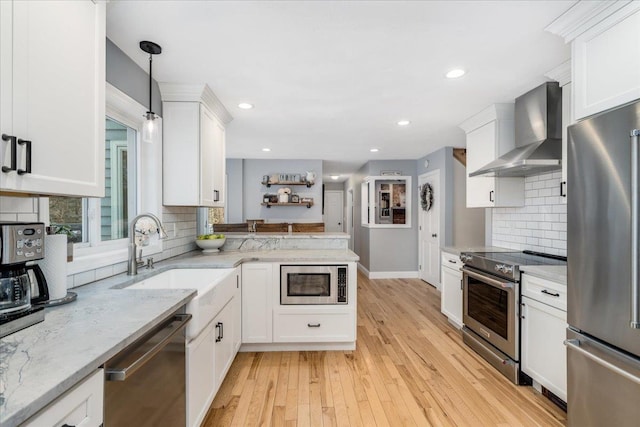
(393, 274)
(301, 346)
(363, 269)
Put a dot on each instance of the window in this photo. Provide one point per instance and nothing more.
(94, 221)
(133, 184)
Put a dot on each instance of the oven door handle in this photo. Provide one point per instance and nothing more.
(176, 325)
(489, 280)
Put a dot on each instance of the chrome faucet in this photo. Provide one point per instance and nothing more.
(132, 268)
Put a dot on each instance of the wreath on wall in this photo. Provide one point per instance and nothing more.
(426, 197)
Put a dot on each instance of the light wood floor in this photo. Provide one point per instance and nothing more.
(410, 367)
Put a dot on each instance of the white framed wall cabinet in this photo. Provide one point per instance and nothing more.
(605, 41)
(490, 134)
(193, 160)
(52, 103)
(386, 202)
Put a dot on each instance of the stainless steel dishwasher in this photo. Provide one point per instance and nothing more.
(145, 382)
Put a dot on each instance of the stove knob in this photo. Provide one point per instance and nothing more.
(508, 269)
(499, 267)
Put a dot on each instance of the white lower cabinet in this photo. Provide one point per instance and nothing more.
(544, 356)
(211, 353)
(82, 406)
(257, 306)
(314, 325)
(451, 298)
(201, 376)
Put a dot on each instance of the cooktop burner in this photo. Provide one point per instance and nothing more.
(506, 264)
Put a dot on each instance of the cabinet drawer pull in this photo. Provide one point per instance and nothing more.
(452, 261)
(544, 291)
(491, 196)
(220, 328)
(216, 196)
(27, 169)
(563, 192)
(14, 152)
(313, 325)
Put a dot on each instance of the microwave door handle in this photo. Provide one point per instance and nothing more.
(489, 280)
(635, 292)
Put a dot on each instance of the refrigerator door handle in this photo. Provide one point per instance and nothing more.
(574, 344)
(635, 292)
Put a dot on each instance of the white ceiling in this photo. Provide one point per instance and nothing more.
(329, 79)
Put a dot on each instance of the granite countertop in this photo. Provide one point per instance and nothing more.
(43, 361)
(555, 273)
(456, 250)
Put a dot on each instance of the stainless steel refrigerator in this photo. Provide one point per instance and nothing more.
(603, 339)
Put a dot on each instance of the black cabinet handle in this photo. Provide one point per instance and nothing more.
(67, 425)
(220, 329)
(14, 152)
(27, 169)
(313, 325)
(563, 192)
(491, 196)
(216, 196)
(544, 291)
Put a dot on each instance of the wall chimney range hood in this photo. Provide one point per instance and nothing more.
(538, 135)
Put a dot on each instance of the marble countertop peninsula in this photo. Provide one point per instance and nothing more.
(555, 273)
(41, 362)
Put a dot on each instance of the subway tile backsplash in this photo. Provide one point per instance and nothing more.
(540, 225)
(182, 219)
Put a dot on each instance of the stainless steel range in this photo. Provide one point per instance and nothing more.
(491, 302)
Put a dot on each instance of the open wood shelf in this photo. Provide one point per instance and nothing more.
(269, 184)
(307, 204)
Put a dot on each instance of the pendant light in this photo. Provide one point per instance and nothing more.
(150, 127)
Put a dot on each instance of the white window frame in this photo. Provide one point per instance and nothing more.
(87, 256)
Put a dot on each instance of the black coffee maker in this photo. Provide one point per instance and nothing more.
(22, 283)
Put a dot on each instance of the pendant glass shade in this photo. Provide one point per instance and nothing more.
(150, 128)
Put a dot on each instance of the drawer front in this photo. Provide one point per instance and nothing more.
(80, 406)
(545, 291)
(451, 261)
(312, 326)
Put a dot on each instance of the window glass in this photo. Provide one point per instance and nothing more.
(113, 211)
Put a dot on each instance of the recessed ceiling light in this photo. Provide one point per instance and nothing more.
(335, 177)
(245, 106)
(403, 122)
(374, 150)
(455, 73)
(266, 149)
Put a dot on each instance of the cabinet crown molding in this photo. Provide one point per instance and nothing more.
(199, 92)
(561, 74)
(582, 16)
(489, 114)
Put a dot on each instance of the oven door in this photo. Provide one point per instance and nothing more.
(308, 284)
(489, 309)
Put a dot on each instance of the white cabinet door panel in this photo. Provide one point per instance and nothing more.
(257, 309)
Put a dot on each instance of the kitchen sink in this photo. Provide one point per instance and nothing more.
(205, 304)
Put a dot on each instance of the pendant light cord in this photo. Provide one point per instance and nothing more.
(150, 81)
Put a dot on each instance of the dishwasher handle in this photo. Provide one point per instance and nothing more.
(178, 323)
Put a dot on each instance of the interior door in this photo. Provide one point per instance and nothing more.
(429, 229)
(333, 211)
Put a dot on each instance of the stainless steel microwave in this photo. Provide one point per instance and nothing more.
(313, 284)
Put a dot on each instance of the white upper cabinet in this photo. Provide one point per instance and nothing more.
(605, 38)
(52, 97)
(193, 160)
(562, 74)
(490, 134)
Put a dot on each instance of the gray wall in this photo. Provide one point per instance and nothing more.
(245, 193)
(460, 226)
(386, 249)
(234, 212)
(127, 76)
